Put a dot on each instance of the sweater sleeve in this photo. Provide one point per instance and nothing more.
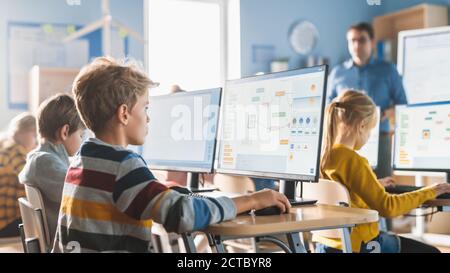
(363, 182)
(138, 194)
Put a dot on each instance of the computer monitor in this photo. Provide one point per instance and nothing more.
(422, 137)
(424, 62)
(370, 150)
(271, 125)
(183, 131)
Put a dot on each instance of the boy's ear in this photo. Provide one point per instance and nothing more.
(122, 114)
(63, 132)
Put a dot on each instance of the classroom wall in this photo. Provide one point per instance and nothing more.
(129, 12)
(267, 22)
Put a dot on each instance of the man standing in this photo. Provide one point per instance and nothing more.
(378, 79)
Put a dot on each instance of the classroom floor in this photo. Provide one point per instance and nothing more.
(11, 246)
(17, 248)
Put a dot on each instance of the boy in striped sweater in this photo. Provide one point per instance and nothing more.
(110, 196)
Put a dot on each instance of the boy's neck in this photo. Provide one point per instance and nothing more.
(113, 138)
(44, 140)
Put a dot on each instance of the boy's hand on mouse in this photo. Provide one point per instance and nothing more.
(260, 200)
(387, 182)
(268, 198)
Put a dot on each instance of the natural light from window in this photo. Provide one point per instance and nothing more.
(184, 44)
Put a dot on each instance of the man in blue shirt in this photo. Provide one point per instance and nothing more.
(261, 184)
(378, 79)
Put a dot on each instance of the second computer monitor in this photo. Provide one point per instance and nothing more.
(272, 125)
(422, 137)
(183, 131)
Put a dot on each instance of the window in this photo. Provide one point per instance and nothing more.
(189, 43)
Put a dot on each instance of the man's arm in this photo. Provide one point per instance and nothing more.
(397, 92)
(331, 89)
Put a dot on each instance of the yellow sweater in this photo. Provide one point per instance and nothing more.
(355, 173)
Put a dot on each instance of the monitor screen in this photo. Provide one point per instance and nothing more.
(272, 125)
(370, 150)
(424, 62)
(183, 131)
(422, 137)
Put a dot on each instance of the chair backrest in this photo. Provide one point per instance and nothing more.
(34, 196)
(234, 184)
(33, 227)
(329, 193)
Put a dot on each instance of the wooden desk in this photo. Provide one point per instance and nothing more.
(300, 219)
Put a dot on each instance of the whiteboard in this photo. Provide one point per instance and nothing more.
(424, 63)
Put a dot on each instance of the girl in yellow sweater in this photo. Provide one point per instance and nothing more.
(349, 121)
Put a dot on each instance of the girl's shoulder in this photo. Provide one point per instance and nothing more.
(345, 153)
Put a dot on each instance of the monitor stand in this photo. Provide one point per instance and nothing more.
(193, 183)
(288, 188)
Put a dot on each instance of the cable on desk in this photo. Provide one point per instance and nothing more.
(433, 212)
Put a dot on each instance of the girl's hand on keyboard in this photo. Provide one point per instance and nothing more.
(387, 182)
(441, 188)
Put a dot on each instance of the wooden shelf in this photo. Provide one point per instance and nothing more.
(421, 16)
(46, 82)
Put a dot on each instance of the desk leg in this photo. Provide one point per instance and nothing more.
(255, 245)
(346, 241)
(295, 243)
(211, 242)
(305, 241)
(218, 244)
(189, 243)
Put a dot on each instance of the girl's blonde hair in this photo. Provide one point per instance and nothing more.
(351, 109)
(21, 123)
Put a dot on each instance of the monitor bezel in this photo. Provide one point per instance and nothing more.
(395, 141)
(403, 35)
(180, 168)
(407, 34)
(272, 175)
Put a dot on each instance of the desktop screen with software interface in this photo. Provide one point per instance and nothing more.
(422, 137)
(370, 150)
(272, 125)
(183, 131)
(424, 62)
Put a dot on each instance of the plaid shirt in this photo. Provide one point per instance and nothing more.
(12, 161)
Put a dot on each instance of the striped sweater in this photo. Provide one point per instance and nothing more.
(110, 199)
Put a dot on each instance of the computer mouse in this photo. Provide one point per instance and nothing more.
(268, 211)
(181, 190)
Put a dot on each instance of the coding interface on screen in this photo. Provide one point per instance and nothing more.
(422, 137)
(273, 124)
